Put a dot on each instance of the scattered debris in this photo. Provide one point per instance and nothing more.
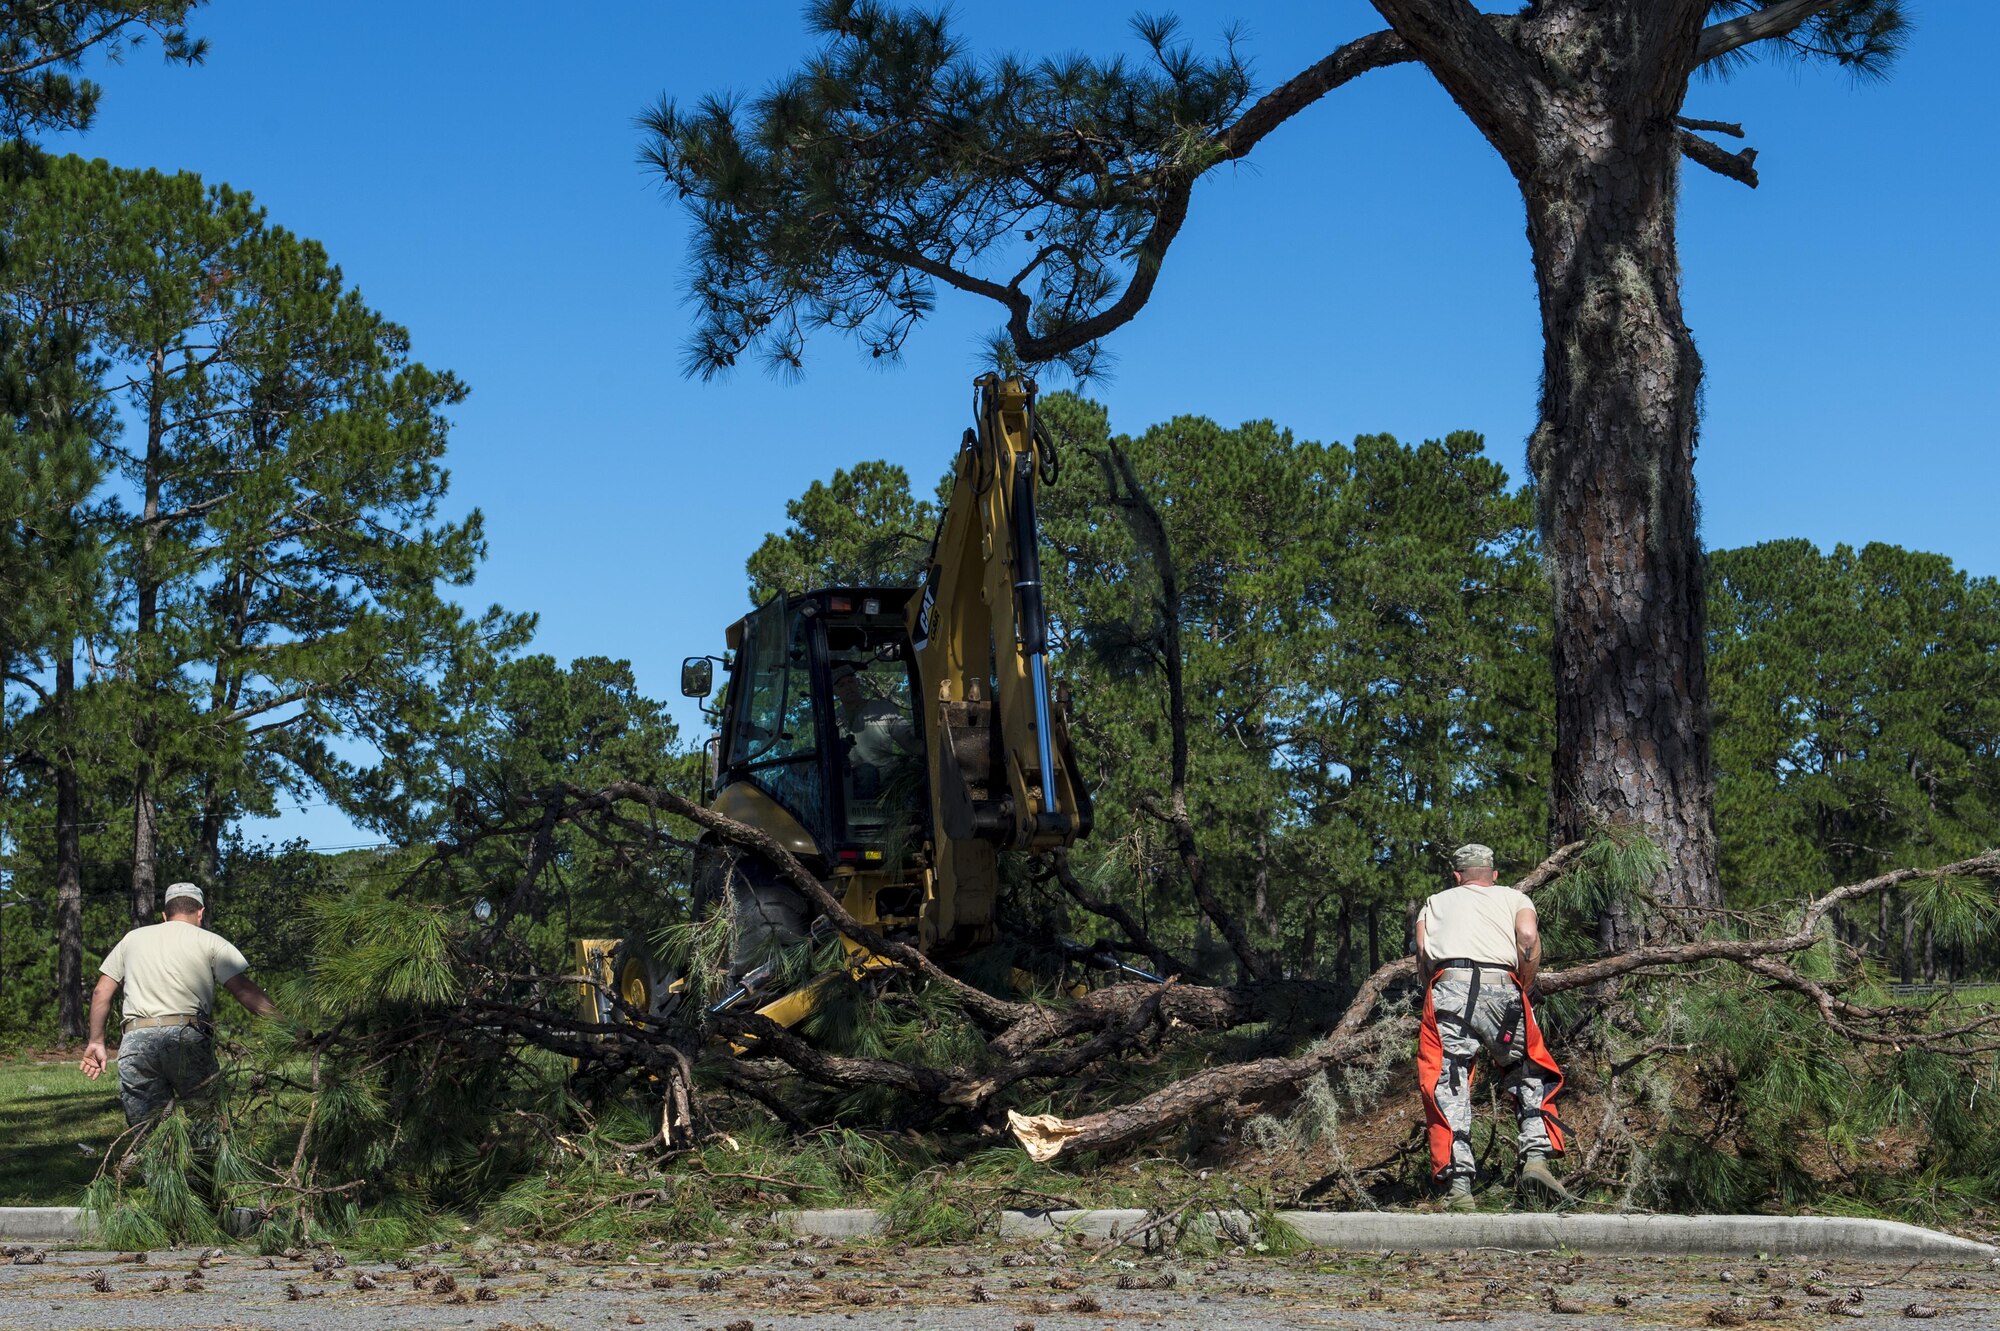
(1559, 1304)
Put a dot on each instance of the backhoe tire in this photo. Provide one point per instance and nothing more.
(641, 981)
(766, 915)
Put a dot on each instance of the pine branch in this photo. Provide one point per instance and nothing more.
(1739, 166)
(1247, 1081)
(1773, 20)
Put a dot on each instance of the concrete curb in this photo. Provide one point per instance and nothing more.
(42, 1224)
(1369, 1231)
(1373, 1231)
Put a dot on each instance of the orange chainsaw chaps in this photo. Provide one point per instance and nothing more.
(1430, 1067)
(1538, 1054)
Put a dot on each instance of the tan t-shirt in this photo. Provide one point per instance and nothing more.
(171, 969)
(1476, 923)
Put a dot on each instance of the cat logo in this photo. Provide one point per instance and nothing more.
(922, 635)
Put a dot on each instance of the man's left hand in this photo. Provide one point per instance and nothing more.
(94, 1056)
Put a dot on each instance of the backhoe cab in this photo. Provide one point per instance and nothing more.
(893, 739)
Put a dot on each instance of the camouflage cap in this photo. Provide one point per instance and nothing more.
(183, 890)
(1472, 855)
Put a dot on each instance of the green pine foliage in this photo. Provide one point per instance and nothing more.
(43, 48)
(1362, 637)
(862, 528)
(1857, 698)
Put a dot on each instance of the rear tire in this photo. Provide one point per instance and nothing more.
(766, 914)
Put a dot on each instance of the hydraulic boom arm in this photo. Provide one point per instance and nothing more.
(1002, 773)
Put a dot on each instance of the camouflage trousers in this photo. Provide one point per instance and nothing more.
(1492, 1020)
(164, 1065)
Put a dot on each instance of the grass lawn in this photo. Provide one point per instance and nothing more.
(1965, 995)
(46, 1109)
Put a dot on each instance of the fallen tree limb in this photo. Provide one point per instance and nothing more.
(1213, 1087)
(1046, 1042)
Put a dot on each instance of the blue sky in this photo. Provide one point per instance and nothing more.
(473, 168)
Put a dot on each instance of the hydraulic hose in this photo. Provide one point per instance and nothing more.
(1032, 618)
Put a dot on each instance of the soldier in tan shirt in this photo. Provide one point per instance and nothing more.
(1478, 947)
(169, 972)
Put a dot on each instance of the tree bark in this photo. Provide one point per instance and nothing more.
(146, 601)
(1613, 455)
(1343, 956)
(213, 818)
(70, 1013)
(1909, 941)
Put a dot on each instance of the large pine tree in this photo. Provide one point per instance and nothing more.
(895, 164)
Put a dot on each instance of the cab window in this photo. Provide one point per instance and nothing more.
(775, 738)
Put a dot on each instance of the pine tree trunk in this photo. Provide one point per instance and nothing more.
(145, 846)
(1909, 941)
(146, 600)
(70, 1015)
(1614, 458)
(1343, 956)
(213, 817)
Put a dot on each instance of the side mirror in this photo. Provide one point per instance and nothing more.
(697, 677)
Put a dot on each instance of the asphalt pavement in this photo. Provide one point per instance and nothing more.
(1050, 1286)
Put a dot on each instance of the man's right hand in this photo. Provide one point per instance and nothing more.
(94, 1056)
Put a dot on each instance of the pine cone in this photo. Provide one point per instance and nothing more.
(1559, 1304)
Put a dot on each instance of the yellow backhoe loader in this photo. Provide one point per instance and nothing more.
(894, 739)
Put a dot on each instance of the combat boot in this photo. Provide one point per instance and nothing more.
(1460, 1196)
(1538, 1183)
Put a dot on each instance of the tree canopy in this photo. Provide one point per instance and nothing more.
(894, 164)
(43, 46)
(861, 528)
